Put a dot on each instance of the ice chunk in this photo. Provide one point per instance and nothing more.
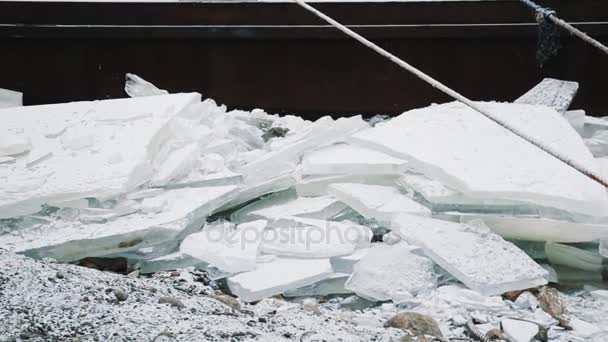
(449, 142)
(179, 163)
(309, 238)
(136, 86)
(318, 185)
(284, 159)
(63, 240)
(287, 203)
(102, 157)
(347, 159)
(230, 249)
(278, 276)
(10, 98)
(391, 272)
(334, 284)
(346, 263)
(574, 257)
(377, 201)
(551, 92)
(519, 331)
(480, 259)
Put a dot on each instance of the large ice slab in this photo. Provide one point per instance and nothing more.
(468, 152)
(391, 272)
(310, 238)
(551, 92)
(280, 275)
(540, 228)
(248, 192)
(10, 98)
(84, 149)
(377, 201)
(480, 259)
(287, 203)
(347, 159)
(183, 211)
(170, 262)
(230, 249)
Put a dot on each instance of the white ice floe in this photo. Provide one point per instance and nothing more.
(333, 284)
(468, 152)
(68, 240)
(391, 272)
(227, 247)
(480, 259)
(278, 276)
(90, 158)
(377, 201)
(347, 159)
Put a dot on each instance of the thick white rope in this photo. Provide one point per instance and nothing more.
(436, 84)
(565, 25)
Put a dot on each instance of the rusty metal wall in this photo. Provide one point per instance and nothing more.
(276, 56)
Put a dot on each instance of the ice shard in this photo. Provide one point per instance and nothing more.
(391, 272)
(67, 240)
(226, 247)
(88, 142)
(248, 192)
(449, 142)
(278, 276)
(574, 257)
(551, 92)
(347, 159)
(136, 86)
(170, 262)
(377, 201)
(480, 259)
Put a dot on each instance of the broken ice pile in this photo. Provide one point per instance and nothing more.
(281, 205)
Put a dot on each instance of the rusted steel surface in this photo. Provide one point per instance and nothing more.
(278, 57)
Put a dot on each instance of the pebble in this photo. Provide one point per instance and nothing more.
(59, 275)
(121, 295)
(172, 301)
(416, 323)
(227, 300)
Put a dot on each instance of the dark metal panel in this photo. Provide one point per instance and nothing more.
(310, 70)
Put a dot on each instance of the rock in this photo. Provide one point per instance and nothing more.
(227, 300)
(418, 324)
(312, 308)
(121, 295)
(172, 301)
(549, 300)
(59, 275)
